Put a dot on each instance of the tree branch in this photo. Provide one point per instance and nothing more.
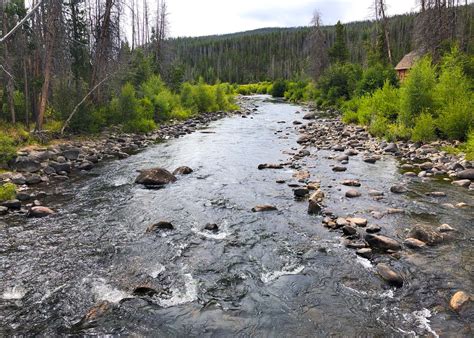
(66, 123)
(22, 21)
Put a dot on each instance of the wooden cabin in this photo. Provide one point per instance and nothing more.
(406, 64)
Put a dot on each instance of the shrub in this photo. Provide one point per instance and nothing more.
(375, 77)
(454, 99)
(338, 83)
(7, 148)
(7, 192)
(397, 131)
(468, 148)
(416, 93)
(378, 126)
(204, 97)
(350, 116)
(279, 88)
(425, 129)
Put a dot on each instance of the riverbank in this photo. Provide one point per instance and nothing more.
(35, 167)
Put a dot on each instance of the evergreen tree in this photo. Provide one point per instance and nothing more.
(339, 52)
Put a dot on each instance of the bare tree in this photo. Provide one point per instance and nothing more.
(381, 17)
(52, 18)
(317, 47)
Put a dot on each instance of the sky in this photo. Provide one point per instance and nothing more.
(208, 17)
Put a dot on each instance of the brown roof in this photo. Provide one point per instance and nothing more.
(407, 61)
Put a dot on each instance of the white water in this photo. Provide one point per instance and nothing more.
(104, 291)
(271, 276)
(14, 293)
(182, 296)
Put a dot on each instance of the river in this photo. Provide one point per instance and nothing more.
(262, 274)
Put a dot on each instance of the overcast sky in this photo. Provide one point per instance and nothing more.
(208, 17)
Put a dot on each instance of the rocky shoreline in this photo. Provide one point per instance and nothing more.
(422, 162)
(38, 168)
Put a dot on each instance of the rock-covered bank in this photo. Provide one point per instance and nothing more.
(36, 169)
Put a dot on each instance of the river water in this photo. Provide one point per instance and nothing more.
(262, 274)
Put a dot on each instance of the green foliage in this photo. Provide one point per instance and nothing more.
(468, 148)
(397, 131)
(7, 148)
(254, 88)
(424, 129)
(374, 78)
(7, 192)
(416, 93)
(204, 97)
(279, 88)
(454, 99)
(378, 126)
(338, 83)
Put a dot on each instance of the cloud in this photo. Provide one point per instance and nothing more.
(208, 17)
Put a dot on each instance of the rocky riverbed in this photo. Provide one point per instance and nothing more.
(283, 222)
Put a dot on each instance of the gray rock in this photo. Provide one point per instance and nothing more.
(12, 204)
(462, 183)
(372, 229)
(352, 193)
(211, 227)
(58, 167)
(33, 179)
(156, 177)
(339, 169)
(3, 210)
(467, 174)
(86, 165)
(391, 148)
(26, 164)
(72, 154)
(398, 189)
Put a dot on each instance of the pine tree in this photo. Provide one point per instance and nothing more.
(339, 52)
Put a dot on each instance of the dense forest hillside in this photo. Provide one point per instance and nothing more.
(271, 53)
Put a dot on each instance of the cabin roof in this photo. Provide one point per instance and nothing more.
(407, 61)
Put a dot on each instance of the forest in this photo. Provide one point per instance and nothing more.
(67, 66)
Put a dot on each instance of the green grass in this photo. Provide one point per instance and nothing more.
(7, 192)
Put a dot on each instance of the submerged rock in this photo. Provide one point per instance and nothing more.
(398, 189)
(352, 193)
(211, 227)
(414, 243)
(182, 171)
(163, 225)
(390, 276)
(445, 228)
(263, 208)
(269, 166)
(425, 234)
(155, 177)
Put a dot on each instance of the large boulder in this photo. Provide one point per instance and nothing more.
(156, 177)
(26, 164)
(467, 174)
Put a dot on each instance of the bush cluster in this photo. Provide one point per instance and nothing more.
(431, 102)
(7, 192)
